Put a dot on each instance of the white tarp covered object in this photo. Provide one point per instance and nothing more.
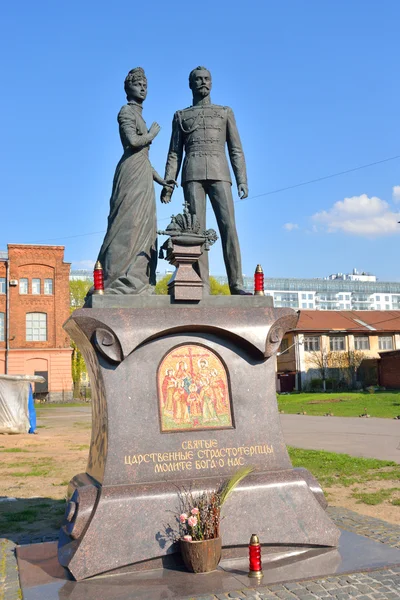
(14, 394)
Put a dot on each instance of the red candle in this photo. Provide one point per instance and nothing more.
(259, 281)
(255, 566)
(98, 278)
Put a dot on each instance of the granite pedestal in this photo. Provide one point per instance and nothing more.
(183, 395)
(42, 577)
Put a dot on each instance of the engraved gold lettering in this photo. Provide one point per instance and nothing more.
(205, 453)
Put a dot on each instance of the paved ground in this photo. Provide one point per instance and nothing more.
(370, 438)
(382, 584)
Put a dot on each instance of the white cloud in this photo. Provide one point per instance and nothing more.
(290, 226)
(360, 215)
(396, 193)
(83, 264)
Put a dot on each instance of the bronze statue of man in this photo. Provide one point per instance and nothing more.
(203, 130)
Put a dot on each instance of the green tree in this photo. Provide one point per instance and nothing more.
(217, 289)
(78, 289)
(162, 285)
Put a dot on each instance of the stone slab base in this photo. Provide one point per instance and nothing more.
(42, 577)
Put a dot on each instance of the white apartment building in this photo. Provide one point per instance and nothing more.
(353, 291)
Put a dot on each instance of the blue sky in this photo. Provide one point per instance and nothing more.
(314, 85)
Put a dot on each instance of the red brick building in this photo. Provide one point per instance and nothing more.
(34, 304)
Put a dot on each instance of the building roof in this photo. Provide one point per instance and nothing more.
(349, 320)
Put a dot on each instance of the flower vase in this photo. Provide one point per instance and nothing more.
(201, 556)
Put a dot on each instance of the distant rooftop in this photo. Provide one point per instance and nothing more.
(3, 254)
(349, 320)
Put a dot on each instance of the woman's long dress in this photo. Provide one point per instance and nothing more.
(129, 251)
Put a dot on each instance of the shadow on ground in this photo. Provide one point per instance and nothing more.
(30, 520)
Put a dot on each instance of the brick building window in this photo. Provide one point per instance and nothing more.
(2, 285)
(1, 327)
(361, 342)
(337, 342)
(35, 286)
(36, 327)
(23, 285)
(385, 342)
(48, 287)
(312, 343)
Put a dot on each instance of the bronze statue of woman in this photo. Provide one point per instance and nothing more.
(129, 251)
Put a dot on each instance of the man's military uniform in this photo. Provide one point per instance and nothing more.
(202, 131)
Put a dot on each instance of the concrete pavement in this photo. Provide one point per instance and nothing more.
(369, 438)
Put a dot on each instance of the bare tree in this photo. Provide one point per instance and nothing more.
(355, 358)
(347, 363)
(320, 359)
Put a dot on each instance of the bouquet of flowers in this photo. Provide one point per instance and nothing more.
(201, 514)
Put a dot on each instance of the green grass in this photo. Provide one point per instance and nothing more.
(346, 404)
(25, 514)
(14, 450)
(331, 468)
(41, 467)
(373, 498)
(81, 447)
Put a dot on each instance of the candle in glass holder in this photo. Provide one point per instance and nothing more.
(98, 278)
(255, 566)
(259, 281)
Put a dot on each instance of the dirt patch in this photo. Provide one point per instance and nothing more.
(41, 465)
(343, 496)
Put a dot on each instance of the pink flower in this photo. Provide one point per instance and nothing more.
(187, 538)
(183, 517)
(195, 511)
(192, 521)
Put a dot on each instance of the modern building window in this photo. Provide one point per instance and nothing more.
(23, 285)
(310, 305)
(2, 327)
(35, 286)
(310, 296)
(341, 306)
(2, 285)
(48, 287)
(378, 298)
(286, 299)
(284, 345)
(304, 305)
(385, 342)
(36, 327)
(304, 296)
(387, 306)
(312, 343)
(361, 342)
(378, 307)
(337, 342)
(386, 298)
(347, 306)
(340, 297)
